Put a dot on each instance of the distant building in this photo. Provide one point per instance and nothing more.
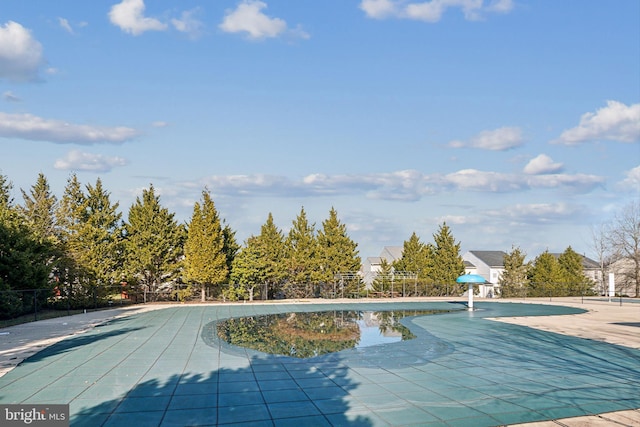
(488, 264)
(372, 265)
(624, 276)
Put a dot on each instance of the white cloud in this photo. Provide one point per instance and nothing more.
(189, 24)
(9, 96)
(80, 161)
(615, 122)
(248, 18)
(433, 10)
(379, 9)
(20, 53)
(536, 212)
(542, 164)
(129, 16)
(404, 185)
(472, 179)
(632, 179)
(65, 25)
(581, 183)
(501, 139)
(28, 126)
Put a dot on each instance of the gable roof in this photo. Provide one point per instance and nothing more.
(391, 253)
(490, 258)
(587, 263)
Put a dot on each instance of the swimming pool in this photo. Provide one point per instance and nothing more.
(156, 368)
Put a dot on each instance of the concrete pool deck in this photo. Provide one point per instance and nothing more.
(143, 366)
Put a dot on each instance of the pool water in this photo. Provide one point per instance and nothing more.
(311, 334)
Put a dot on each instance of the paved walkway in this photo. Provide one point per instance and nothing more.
(143, 366)
(21, 341)
(607, 321)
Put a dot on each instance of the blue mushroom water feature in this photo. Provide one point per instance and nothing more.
(471, 279)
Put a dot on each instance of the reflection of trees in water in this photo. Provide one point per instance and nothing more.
(311, 334)
(292, 334)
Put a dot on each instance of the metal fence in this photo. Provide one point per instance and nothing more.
(21, 302)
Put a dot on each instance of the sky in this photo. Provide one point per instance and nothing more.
(516, 122)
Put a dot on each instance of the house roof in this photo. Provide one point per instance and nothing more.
(491, 258)
(587, 263)
(391, 253)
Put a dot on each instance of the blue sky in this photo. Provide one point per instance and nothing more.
(515, 121)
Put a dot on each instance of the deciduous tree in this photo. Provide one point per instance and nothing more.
(624, 237)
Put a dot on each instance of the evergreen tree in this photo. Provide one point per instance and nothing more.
(69, 216)
(271, 244)
(416, 258)
(382, 281)
(337, 252)
(301, 257)
(39, 210)
(248, 270)
(545, 276)
(96, 241)
(230, 247)
(23, 259)
(514, 281)
(447, 261)
(413, 256)
(573, 279)
(153, 242)
(205, 259)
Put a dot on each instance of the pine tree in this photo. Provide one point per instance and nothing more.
(248, 270)
(230, 248)
(383, 280)
(573, 278)
(514, 281)
(69, 216)
(39, 210)
(447, 261)
(416, 258)
(271, 244)
(205, 259)
(23, 258)
(301, 257)
(96, 241)
(545, 276)
(337, 253)
(153, 242)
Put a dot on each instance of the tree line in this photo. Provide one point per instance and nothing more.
(80, 246)
(433, 267)
(547, 275)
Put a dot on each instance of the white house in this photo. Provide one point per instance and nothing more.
(488, 264)
(372, 265)
(624, 276)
